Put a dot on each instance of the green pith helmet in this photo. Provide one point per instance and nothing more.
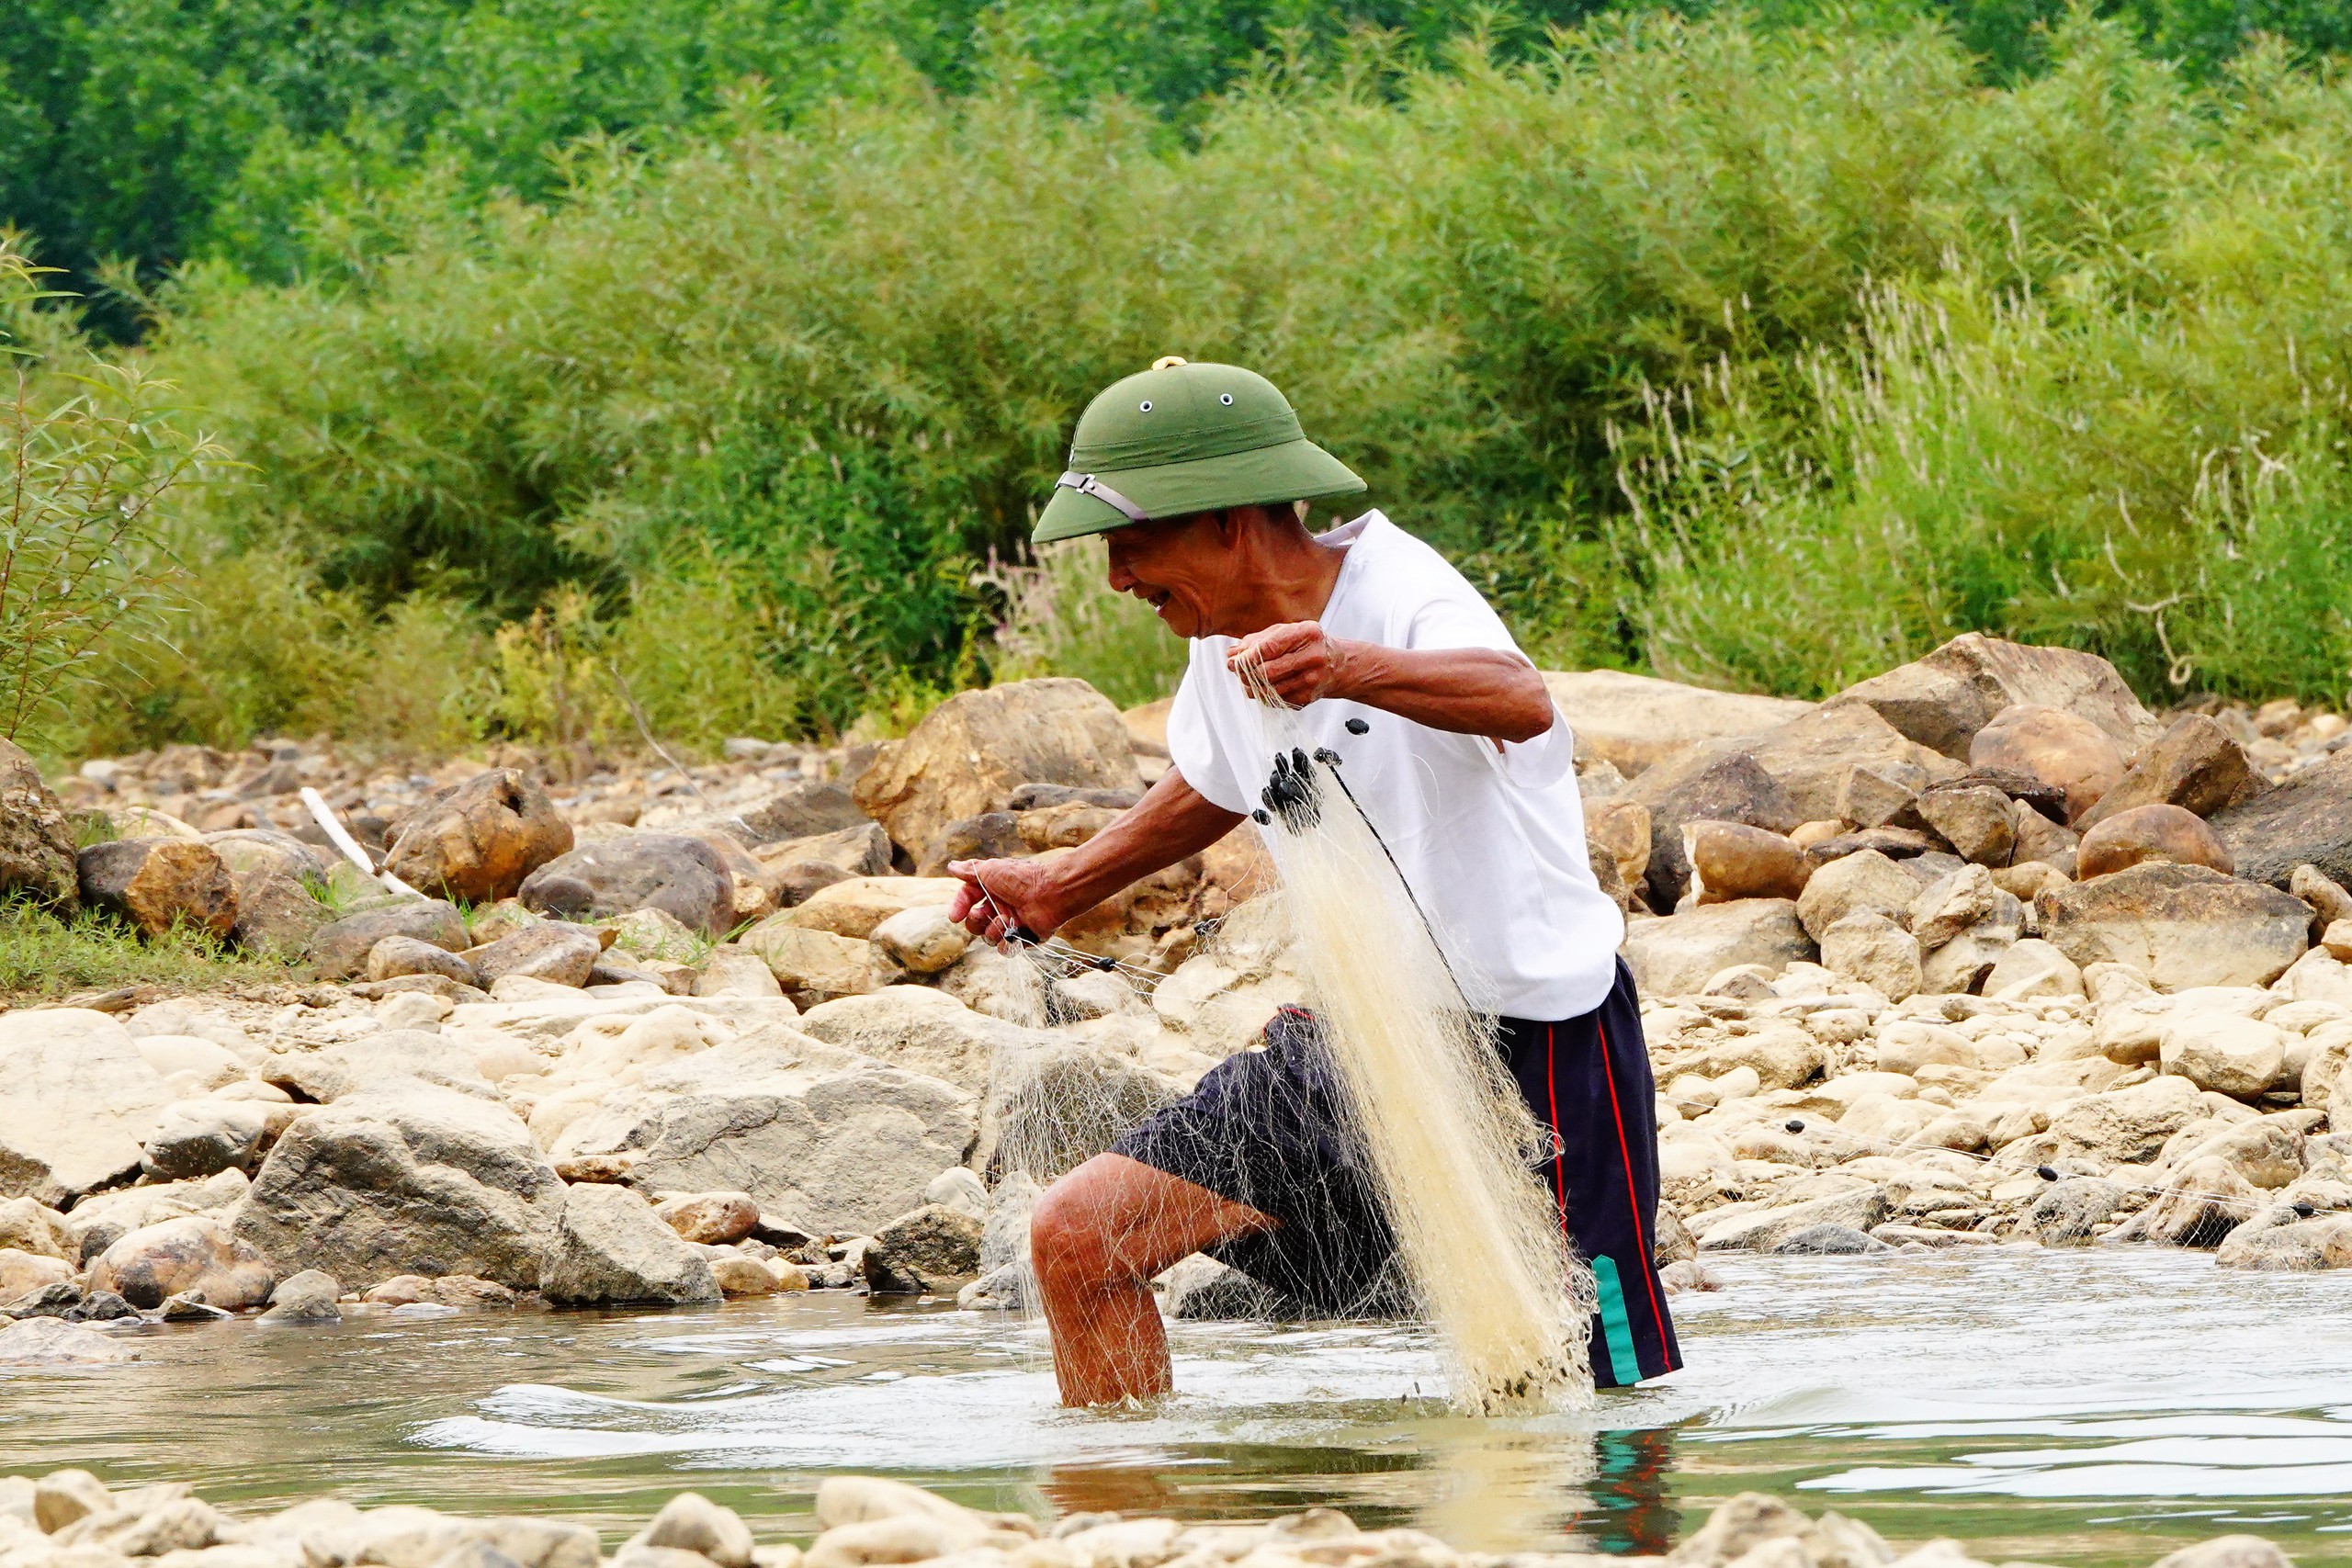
(1183, 438)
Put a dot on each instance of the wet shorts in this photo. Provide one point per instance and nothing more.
(1265, 1128)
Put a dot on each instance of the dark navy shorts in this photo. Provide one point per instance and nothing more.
(1265, 1128)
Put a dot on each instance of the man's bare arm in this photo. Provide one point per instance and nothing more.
(1466, 691)
(1171, 822)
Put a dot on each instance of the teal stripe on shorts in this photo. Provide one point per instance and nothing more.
(1615, 1326)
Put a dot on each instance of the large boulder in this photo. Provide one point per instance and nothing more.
(1944, 698)
(2305, 821)
(2063, 751)
(340, 948)
(683, 877)
(36, 841)
(2177, 926)
(2168, 833)
(1864, 882)
(611, 1249)
(1977, 820)
(971, 753)
(1705, 787)
(405, 1177)
(807, 810)
(931, 1252)
(839, 1144)
(1811, 757)
(2237, 1056)
(1679, 954)
(197, 1254)
(476, 842)
(79, 1100)
(277, 913)
(196, 1138)
(2124, 1126)
(160, 884)
(1866, 946)
(2194, 765)
(1636, 721)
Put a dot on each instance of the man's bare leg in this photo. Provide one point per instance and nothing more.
(1097, 1238)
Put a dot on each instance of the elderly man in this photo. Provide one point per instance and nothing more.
(1197, 474)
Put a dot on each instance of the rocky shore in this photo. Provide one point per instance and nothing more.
(70, 1519)
(1979, 953)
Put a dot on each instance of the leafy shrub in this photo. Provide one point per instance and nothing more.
(88, 454)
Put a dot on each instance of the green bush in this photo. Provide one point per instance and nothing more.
(1769, 356)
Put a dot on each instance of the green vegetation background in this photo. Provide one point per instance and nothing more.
(695, 365)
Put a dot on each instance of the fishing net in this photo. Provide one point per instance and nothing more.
(1437, 1138)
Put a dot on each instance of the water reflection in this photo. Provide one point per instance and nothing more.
(2059, 1407)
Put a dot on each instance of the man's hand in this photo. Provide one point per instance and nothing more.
(1297, 659)
(998, 895)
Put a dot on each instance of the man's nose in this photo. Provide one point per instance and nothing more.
(1121, 579)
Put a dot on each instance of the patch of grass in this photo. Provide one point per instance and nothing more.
(44, 957)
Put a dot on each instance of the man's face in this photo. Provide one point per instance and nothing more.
(1182, 567)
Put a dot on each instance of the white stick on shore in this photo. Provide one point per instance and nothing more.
(331, 825)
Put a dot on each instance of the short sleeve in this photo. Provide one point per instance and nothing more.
(1543, 761)
(1454, 617)
(1193, 744)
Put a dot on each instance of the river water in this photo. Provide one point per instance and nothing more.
(2068, 1407)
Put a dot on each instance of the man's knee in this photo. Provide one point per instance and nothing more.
(1075, 1231)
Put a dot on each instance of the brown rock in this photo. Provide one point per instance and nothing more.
(2057, 748)
(929, 1252)
(1810, 756)
(476, 842)
(156, 884)
(36, 841)
(711, 1219)
(670, 871)
(2038, 838)
(193, 1255)
(1895, 844)
(398, 956)
(992, 835)
(2194, 765)
(555, 951)
(1732, 860)
(1619, 830)
(277, 913)
(340, 948)
(1732, 788)
(806, 810)
(2329, 902)
(796, 882)
(1882, 795)
(2146, 833)
(1943, 699)
(863, 849)
(2178, 925)
(971, 753)
(754, 883)
(2305, 821)
(1977, 820)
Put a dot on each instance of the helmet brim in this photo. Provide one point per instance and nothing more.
(1295, 470)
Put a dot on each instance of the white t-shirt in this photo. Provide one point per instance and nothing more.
(1491, 841)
